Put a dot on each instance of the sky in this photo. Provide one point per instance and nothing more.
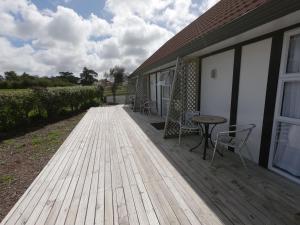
(45, 37)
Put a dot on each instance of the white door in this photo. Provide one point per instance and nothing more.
(166, 91)
(153, 93)
(252, 90)
(216, 85)
(285, 149)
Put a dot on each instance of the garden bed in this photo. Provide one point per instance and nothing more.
(23, 157)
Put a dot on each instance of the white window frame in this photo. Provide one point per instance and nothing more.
(284, 77)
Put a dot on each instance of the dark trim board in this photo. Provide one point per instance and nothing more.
(270, 101)
(253, 40)
(243, 43)
(271, 90)
(199, 84)
(235, 86)
(156, 92)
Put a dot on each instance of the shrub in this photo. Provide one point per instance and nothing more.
(22, 107)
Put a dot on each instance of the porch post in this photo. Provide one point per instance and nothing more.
(274, 67)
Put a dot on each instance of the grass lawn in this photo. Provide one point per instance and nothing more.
(23, 157)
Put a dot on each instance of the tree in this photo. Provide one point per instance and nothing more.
(69, 76)
(87, 77)
(11, 75)
(117, 74)
(1, 77)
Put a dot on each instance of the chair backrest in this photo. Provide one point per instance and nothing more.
(244, 131)
(186, 117)
(147, 103)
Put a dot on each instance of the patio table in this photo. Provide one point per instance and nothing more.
(206, 121)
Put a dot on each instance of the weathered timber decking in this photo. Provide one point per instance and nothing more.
(115, 168)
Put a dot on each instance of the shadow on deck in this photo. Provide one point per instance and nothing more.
(235, 195)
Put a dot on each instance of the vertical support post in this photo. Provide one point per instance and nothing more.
(270, 101)
(199, 84)
(235, 87)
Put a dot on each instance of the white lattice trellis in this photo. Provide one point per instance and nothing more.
(141, 91)
(184, 95)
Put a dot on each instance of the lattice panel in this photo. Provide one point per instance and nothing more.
(184, 96)
(141, 91)
(132, 86)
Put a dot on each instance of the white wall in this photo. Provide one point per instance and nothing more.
(153, 93)
(252, 90)
(216, 92)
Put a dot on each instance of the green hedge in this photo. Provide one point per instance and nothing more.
(23, 107)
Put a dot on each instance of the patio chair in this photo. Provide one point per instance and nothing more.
(186, 123)
(132, 102)
(142, 104)
(236, 137)
(147, 107)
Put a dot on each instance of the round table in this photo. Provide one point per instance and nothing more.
(206, 121)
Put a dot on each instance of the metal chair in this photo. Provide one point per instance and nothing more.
(132, 102)
(186, 123)
(236, 137)
(142, 104)
(147, 107)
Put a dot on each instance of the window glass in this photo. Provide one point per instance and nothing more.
(287, 148)
(291, 100)
(293, 61)
(153, 87)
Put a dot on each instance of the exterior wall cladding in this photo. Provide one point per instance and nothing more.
(247, 69)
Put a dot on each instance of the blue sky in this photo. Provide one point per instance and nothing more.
(45, 37)
(82, 7)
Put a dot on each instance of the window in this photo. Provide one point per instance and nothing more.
(287, 149)
(293, 60)
(291, 100)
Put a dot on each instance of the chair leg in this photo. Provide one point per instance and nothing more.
(242, 159)
(249, 152)
(214, 153)
(180, 130)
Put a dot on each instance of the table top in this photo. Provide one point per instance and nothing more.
(209, 119)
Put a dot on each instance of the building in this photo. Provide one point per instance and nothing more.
(240, 60)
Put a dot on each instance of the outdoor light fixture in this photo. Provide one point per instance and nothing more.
(213, 73)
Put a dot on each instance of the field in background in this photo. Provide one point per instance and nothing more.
(122, 90)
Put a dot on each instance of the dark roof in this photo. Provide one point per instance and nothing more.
(219, 16)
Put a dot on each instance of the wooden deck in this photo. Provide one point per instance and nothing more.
(115, 168)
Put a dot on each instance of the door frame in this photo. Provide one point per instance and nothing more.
(283, 78)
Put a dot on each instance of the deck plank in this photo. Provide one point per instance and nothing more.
(37, 195)
(116, 169)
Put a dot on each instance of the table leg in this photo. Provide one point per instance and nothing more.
(196, 145)
(206, 136)
(211, 141)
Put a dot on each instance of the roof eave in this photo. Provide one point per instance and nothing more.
(263, 14)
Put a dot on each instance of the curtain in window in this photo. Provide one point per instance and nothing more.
(291, 100)
(287, 151)
(293, 63)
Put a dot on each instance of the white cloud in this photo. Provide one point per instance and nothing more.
(20, 59)
(62, 40)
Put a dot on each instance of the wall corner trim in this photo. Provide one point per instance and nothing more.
(235, 86)
(270, 101)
